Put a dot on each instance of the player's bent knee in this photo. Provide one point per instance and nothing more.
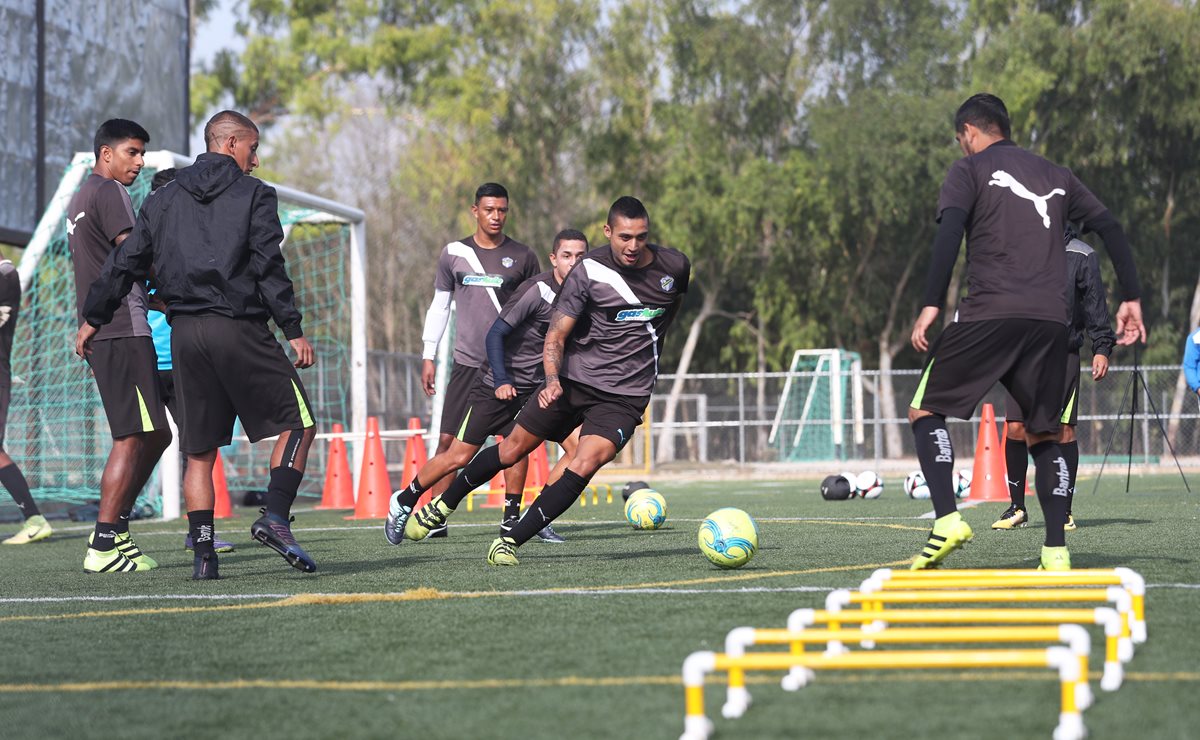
(1066, 434)
(915, 414)
(1015, 430)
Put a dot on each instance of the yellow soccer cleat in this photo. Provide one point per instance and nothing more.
(503, 551)
(1013, 517)
(1055, 558)
(949, 533)
(36, 528)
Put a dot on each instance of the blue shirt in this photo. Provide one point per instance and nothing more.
(160, 331)
(1191, 360)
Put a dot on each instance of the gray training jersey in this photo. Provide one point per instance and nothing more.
(528, 313)
(482, 281)
(622, 315)
(99, 212)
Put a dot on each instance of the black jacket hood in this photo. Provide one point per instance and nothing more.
(211, 175)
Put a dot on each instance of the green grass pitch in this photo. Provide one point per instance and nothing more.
(583, 640)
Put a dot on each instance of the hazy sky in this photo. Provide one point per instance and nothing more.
(214, 34)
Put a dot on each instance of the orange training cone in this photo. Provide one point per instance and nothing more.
(539, 473)
(374, 486)
(339, 487)
(221, 507)
(987, 479)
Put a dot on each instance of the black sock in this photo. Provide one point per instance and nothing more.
(1070, 451)
(480, 470)
(200, 527)
(548, 506)
(411, 492)
(937, 462)
(1016, 463)
(105, 536)
(512, 505)
(281, 491)
(123, 520)
(18, 488)
(1053, 483)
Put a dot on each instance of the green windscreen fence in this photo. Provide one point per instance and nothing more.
(57, 430)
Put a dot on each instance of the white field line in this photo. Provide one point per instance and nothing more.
(582, 591)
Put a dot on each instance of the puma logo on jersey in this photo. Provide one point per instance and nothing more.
(639, 314)
(482, 281)
(5, 313)
(72, 222)
(1005, 180)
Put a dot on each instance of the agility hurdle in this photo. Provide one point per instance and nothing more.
(737, 695)
(1113, 622)
(1128, 579)
(595, 491)
(1070, 726)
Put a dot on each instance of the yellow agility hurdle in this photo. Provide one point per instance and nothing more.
(1070, 726)
(1113, 622)
(594, 488)
(1128, 579)
(737, 696)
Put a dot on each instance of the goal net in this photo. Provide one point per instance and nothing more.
(57, 430)
(820, 412)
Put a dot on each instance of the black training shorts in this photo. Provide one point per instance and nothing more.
(1026, 356)
(487, 415)
(226, 369)
(126, 370)
(5, 400)
(166, 384)
(604, 414)
(458, 390)
(1070, 406)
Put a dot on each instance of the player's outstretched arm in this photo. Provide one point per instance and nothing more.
(266, 260)
(552, 354)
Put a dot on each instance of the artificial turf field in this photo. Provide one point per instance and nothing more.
(583, 639)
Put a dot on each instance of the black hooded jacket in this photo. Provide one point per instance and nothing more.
(1089, 309)
(211, 239)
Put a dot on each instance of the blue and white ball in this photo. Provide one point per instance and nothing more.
(728, 538)
(646, 509)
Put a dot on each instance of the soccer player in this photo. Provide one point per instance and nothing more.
(212, 240)
(1089, 310)
(478, 273)
(99, 219)
(1011, 327)
(35, 527)
(601, 361)
(512, 375)
(160, 332)
(1191, 362)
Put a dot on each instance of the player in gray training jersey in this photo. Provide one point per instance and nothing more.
(512, 376)
(478, 273)
(601, 361)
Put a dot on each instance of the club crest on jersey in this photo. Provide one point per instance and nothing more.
(507, 261)
(639, 314)
(667, 283)
(482, 281)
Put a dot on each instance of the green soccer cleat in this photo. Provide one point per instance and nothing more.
(503, 551)
(1055, 558)
(949, 533)
(108, 561)
(1070, 525)
(431, 516)
(130, 550)
(35, 528)
(1014, 516)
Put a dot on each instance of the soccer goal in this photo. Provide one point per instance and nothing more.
(57, 429)
(820, 411)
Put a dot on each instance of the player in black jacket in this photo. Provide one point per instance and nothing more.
(1089, 311)
(211, 240)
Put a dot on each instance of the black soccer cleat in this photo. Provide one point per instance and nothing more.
(204, 568)
(276, 533)
(547, 534)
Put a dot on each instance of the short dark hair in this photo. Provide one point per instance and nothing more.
(115, 130)
(629, 207)
(162, 177)
(568, 235)
(490, 190)
(985, 112)
(223, 124)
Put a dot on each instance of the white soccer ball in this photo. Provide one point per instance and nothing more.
(852, 479)
(962, 483)
(869, 485)
(915, 486)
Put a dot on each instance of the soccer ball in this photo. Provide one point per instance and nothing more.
(728, 538)
(962, 483)
(646, 509)
(869, 485)
(633, 487)
(914, 485)
(852, 479)
(836, 488)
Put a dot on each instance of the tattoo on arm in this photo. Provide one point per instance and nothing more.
(552, 351)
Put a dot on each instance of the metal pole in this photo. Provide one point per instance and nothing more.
(741, 419)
